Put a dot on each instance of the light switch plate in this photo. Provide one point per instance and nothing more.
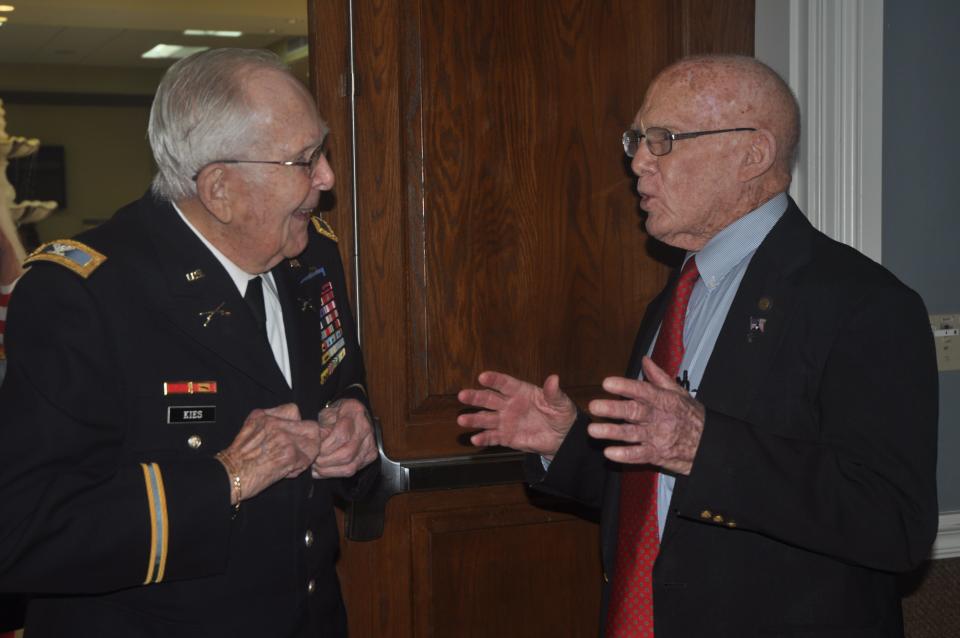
(946, 337)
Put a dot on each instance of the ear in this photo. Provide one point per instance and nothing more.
(760, 155)
(213, 190)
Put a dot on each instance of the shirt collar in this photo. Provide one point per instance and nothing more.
(732, 244)
(239, 276)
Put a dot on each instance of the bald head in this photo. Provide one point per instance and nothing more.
(735, 126)
(740, 89)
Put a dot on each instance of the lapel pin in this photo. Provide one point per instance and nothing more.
(294, 263)
(757, 327)
(765, 303)
(194, 275)
(210, 314)
(306, 304)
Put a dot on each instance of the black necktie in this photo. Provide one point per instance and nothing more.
(254, 299)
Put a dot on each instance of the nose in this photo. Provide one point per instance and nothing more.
(322, 178)
(644, 162)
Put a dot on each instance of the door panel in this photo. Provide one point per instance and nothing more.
(498, 229)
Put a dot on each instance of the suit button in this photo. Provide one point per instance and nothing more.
(195, 441)
(717, 519)
(308, 538)
(311, 586)
(706, 514)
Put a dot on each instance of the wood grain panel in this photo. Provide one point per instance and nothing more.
(512, 239)
(504, 570)
(478, 562)
(708, 26)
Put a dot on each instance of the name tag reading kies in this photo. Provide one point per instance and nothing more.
(191, 414)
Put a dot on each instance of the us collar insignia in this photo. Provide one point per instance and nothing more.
(194, 275)
(208, 315)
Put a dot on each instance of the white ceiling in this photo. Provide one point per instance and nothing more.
(116, 32)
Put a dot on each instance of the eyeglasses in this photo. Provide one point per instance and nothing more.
(660, 140)
(310, 163)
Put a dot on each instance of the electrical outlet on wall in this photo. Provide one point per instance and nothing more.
(946, 337)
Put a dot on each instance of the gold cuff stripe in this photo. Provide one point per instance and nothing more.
(159, 532)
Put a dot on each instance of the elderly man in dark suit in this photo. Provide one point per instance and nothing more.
(185, 394)
(769, 461)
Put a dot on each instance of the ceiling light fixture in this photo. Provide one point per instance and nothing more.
(3, 19)
(171, 51)
(216, 34)
(6, 8)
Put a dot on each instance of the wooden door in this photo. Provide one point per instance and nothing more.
(487, 214)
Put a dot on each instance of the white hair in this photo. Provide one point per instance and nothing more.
(200, 115)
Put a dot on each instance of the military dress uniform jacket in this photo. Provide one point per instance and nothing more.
(815, 477)
(133, 360)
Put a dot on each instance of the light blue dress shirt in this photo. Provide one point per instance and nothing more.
(722, 264)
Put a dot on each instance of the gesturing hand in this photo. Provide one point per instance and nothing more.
(661, 421)
(518, 414)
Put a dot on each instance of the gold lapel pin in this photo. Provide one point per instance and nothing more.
(210, 314)
(765, 303)
(194, 275)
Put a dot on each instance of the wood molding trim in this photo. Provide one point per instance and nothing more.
(831, 54)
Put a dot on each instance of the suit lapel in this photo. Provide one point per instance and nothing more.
(204, 302)
(741, 357)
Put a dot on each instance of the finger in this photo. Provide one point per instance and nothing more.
(630, 454)
(657, 375)
(616, 432)
(633, 411)
(486, 438)
(629, 388)
(502, 383)
(335, 471)
(288, 411)
(342, 457)
(479, 420)
(481, 399)
(552, 392)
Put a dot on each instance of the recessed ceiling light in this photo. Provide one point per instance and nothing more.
(171, 51)
(6, 8)
(216, 34)
(3, 19)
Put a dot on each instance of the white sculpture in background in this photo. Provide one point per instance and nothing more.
(12, 215)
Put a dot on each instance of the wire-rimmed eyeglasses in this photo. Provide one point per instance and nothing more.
(660, 140)
(310, 163)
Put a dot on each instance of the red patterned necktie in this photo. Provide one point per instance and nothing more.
(631, 596)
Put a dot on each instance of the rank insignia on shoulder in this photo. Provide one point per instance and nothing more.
(78, 257)
(323, 228)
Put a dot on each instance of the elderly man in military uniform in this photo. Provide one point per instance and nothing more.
(185, 394)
